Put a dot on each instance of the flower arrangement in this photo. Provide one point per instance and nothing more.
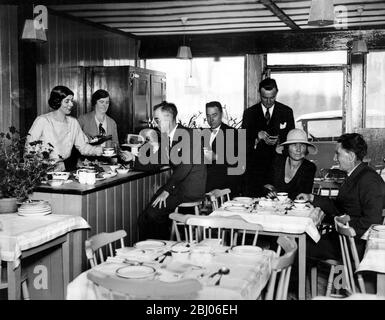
(195, 120)
(22, 170)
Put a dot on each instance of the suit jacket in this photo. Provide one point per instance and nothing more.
(361, 196)
(281, 122)
(302, 182)
(188, 179)
(217, 176)
(90, 128)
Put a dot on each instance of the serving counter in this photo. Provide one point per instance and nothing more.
(108, 205)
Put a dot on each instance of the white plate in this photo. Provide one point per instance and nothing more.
(109, 174)
(180, 247)
(149, 244)
(249, 250)
(236, 209)
(243, 199)
(135, 272)
(235, 204)
(34, 211)
(108, 155)
(33, 214)
(379, 228)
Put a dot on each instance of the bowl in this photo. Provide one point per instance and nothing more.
(122, 170)
(55, 182)
(282, 196)
(60, 175)
(300, 203)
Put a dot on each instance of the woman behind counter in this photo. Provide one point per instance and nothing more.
(61, 130)
(291, 171)
(97, 122)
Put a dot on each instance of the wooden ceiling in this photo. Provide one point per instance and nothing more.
(157, 18)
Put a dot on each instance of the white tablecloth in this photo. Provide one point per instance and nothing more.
(288, 223)
(374, 257)
(247, 278)
(21, 233)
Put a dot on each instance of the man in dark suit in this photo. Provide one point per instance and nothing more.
(267, 124)
(217, 172)
(187, 181)
(361, 196)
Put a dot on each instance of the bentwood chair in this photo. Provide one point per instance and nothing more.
(350, 257)
(96, 245)
(4, 282)
(198, 228)
(281, 265)
(113, 288)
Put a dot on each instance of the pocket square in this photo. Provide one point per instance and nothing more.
(282, 125)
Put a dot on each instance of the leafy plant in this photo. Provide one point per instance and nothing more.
(21, 169)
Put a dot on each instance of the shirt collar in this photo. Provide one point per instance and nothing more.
(271, 109)
(104, 123)
(351, 171)
(172, 133)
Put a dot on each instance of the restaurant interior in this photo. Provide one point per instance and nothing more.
(87, 87)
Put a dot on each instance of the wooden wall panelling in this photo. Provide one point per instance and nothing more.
(9, 78)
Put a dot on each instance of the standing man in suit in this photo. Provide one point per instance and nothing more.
(217, 173)
(267, 124)
(188, 179)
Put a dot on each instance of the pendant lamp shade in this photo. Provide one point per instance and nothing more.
(30, 33)
(184, 52)
(359, 47)
(321, 13)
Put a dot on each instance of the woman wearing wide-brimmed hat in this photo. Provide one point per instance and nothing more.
(291, 172)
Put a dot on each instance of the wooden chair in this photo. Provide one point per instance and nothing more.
(282, 265)
(218, 197)
(118, 288)
(96, 244)
(196, 205)
(198, 228)
(334, 265)
(4, 282)
(349, 251)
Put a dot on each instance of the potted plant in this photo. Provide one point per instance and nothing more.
(21, 169)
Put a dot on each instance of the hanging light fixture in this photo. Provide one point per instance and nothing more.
(184, 52)
(359, 45)
(321, 13)
(30, 33)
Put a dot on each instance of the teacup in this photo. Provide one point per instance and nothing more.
(60, 175)
(282, 196)
(108, 151)
(90, 176)
(300, 203)
(114, 167)
(82, 175)
(55, 182)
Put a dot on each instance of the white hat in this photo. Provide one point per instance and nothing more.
(297, 136)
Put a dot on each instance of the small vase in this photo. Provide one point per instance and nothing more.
(8, 205)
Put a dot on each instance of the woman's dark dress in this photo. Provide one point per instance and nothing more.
(302, 182)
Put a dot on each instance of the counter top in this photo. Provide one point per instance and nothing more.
(75, 187)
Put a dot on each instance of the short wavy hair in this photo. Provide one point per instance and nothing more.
(214, 104)
(354, 142)
(168, 107)
(98, 94)
(57, 95)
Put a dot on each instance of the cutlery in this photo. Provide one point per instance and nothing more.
(165, 255)
(222, 271)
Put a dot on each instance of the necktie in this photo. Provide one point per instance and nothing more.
(267, 116)
(102, 132)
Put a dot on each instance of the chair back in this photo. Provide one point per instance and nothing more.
(281, 265)
(218, 197)
(346, 236)
(118, 288)
(95, 245)
(198, 228)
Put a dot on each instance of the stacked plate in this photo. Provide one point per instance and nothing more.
(34, 208)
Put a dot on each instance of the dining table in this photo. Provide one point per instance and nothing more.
(374, 256)
(245, 278)
(279, 218)
(24, 236)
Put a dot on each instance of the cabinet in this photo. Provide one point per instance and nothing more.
(133, 93)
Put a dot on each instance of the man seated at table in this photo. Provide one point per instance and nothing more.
(188, 179)
(361, 196)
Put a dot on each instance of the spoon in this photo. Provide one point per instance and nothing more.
(165, 255)
(222, 271)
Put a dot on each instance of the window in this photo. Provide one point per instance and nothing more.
(375, 90)
(314, 89)
(193, 83)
